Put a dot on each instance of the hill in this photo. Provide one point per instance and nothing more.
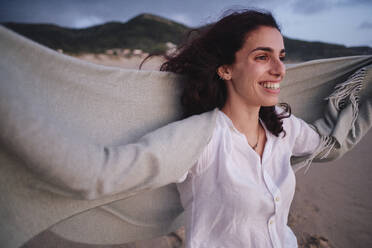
(146, 32)
(150, 33)
(298, 50)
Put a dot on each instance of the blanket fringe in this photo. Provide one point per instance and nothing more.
(325, 146)
(348, 91)
(344, 93)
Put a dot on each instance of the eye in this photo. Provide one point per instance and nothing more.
(282, 58)
(261, 57)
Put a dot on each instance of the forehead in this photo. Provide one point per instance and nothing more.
(264, 37)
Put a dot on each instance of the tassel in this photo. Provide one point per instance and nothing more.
(344, 93)
(325, 146)
(348, 91)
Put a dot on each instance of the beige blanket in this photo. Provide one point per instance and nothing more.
(71, 156)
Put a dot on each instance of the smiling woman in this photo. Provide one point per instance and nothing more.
(83, 144)
(254, 78)
(239, 192)
(246, 42)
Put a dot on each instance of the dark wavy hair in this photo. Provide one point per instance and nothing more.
(207, 48)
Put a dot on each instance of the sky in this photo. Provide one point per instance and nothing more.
(346, 22)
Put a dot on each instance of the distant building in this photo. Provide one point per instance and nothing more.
(171, 47)
(137, 52)
(109, 52)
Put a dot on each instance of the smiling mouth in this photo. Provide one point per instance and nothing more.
(270, 85)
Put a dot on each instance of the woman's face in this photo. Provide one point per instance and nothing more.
(254, 78)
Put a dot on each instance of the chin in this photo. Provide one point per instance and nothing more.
(270, 104)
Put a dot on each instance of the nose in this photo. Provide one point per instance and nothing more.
(277, 68)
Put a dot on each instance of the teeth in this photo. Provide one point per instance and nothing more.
(273, 86)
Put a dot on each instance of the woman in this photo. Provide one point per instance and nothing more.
(57, 145)
(239, 192)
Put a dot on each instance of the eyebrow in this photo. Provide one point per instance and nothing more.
(267, 49)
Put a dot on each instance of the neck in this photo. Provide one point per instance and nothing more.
(244, 117)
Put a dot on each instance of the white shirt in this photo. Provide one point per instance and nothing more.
(232, 199)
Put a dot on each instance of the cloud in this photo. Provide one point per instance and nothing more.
(86, 21)
(355, 2)
(182, 18)
(311, 7)
(365, 25)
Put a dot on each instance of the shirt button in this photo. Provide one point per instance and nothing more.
(277, 198)
(271, 222)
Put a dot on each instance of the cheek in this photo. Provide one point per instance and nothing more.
(247, 87)
(247, 78)
(253, 70)
(253, 76)
(257, 72)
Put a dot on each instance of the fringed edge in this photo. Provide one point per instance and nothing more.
(348, 91)
(344, 93)
(325, 146)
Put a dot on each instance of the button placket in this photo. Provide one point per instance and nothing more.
(271, 227)
(274, 191)
(275, 194)
(277, 198)
(273, 232)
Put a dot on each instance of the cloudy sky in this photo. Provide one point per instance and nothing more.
(347, 22)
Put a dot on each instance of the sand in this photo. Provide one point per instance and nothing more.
(334, 199)
(332, 205)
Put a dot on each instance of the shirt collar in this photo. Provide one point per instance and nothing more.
(224, 119)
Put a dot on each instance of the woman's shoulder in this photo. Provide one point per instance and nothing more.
(300, 134)
(212, 119)
(290, 121)
(292, 124)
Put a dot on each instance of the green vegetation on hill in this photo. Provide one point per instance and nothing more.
(146, 32)
(150, 34)
(298, 50)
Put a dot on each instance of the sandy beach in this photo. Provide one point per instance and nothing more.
(333, 199)
(332, 205)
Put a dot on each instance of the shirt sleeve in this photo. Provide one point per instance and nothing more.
(83, 169)
(204, 161)
(306, 139)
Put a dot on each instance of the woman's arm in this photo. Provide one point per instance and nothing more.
(90, 170)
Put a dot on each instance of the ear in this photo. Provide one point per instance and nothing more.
(224, 72)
